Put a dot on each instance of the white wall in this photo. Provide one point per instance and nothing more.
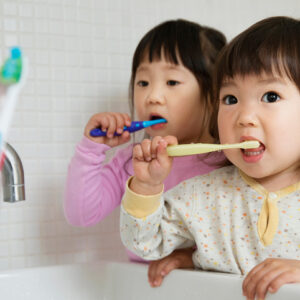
(80, 54)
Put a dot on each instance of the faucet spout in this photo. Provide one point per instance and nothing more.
(12, 176)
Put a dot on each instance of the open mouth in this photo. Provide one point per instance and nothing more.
(160, 125)
(254, 152)
(155, 117)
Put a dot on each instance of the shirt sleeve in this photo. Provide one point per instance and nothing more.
(157, 230)
(94, 188)
(139, 206)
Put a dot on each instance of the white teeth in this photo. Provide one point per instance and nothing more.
(252, 153)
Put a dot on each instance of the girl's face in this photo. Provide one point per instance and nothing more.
(264, 108)
(169, 91)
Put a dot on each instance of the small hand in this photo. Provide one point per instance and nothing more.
(151, 164)
(179, 259)
(110, 122)
(269, 276)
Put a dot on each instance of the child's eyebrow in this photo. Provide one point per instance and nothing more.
(228, 84)
(141, 69)
(262, 81)
(272, 80)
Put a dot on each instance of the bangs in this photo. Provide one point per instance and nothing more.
(271, 49)
(158, 48)
(175, 41)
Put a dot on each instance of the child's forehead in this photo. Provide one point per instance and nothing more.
(257, 83)
(165, 63)
(263, 77)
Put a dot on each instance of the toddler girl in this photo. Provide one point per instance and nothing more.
(172, 79)
(243, 218)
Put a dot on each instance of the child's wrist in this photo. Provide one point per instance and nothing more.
(144, 188)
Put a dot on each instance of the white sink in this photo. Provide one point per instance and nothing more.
(126, 281)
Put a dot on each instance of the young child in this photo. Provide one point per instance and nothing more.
(243, 218)
(172, 79)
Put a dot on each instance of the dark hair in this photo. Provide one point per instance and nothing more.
(271, 45)
(194, 45)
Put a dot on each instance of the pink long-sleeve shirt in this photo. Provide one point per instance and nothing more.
(94, 188)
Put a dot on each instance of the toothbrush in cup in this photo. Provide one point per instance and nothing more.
(135, 126)
(13, 74)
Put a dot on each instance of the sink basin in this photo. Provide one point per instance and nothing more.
(126, 281)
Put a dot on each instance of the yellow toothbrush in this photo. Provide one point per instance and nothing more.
(190, 149)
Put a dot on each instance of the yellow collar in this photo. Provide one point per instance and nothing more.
(269, 216)
(261, 190)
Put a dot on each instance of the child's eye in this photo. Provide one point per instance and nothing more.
(172, 82)
(142, 83)
(270, 97)
(229, 100)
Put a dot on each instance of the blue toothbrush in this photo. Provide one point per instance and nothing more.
(135, 126)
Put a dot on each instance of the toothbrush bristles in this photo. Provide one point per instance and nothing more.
(250, 145)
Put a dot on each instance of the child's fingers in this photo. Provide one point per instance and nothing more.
(250, 288)
(110, 125)
(259, 281)
(120, 122)
(171, 140)
(109, 122)
(250, 276)
(275, 278)
(162, 265)
(162, 155)
(146, 148)
(170, 266)
(154, 272)
(178, 259)
(261, 288)
(127, 119)
(154, 145)
(279, 281)
(94, 122)
(104, 121)
(290, 276)
(158, 280)
(137, 153)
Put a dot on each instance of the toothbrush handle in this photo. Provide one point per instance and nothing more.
(190, 149)
(135, 126)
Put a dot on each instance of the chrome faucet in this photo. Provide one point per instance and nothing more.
(12, 176)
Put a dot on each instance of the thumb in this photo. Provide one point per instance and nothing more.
(162, 154)
(171, 140)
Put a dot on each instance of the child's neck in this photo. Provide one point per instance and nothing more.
(277, 182)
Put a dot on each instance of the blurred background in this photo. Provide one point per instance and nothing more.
(80, 55)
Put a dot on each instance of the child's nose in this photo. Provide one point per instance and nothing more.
(247, 118)
(156, 96)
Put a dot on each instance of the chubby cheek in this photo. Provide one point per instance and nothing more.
(224, 131)
(233, 155)
(222, 135)
(139, 111)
